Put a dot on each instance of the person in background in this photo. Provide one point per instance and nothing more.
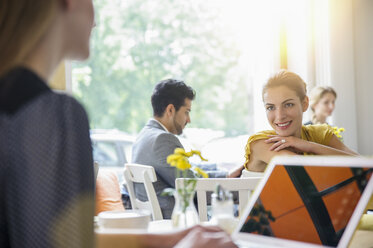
(172, 103)
(46, 165)
(285, 100)
(322, 104)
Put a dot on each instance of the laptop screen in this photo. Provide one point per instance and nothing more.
(307, 203)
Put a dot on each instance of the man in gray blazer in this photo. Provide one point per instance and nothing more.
(172, 103)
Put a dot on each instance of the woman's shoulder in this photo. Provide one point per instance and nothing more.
(59, 105)
(254, 145)
(66, 102)
(22, 91)
(19, 88)
(261, 135)
(317, 127)
(319, 133)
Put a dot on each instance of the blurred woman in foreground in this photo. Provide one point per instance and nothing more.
(46, 167)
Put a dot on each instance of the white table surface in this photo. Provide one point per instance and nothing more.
(160, 226)
(361, 238)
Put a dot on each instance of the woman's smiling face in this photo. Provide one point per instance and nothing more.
(284, 110)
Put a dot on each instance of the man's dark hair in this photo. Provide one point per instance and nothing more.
(170, 91)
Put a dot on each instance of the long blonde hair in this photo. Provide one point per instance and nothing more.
(22, 24)
(315, 96)
(289, 79)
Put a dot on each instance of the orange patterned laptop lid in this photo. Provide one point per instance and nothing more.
(307, 203)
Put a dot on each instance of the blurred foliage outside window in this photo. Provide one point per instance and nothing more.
(137, 43)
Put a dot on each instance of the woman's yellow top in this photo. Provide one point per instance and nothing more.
(320, 134)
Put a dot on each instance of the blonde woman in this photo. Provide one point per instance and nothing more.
(322, 104)
(285, 100)
(46, 167)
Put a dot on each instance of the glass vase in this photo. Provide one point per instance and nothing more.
(184, 214)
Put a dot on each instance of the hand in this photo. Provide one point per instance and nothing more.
(291, 143)
(202, 237)
(173, 238)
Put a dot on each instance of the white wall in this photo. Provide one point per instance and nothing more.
(363, 45)
(342, 69)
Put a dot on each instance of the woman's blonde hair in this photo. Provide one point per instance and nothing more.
(289, 79)
(22, 24)
(315, 96)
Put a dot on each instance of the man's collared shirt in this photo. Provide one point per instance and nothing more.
(161, 125)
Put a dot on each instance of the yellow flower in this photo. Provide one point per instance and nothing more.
(194, 152)
(201, 172)
(337, 131)
(183, 164)
(173, 158)
(180, 151)
(180, 158)
(179, 161)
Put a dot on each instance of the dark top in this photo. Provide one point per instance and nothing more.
(46, 167)
(308, 123)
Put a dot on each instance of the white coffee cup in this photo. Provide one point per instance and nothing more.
(129, 219)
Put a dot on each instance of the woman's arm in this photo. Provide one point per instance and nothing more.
(336, 147)
(197, 236)
(261, 155)
(235, 172)
(136, 240)
(337, 144)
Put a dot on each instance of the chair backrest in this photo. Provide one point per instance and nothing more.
(244, 186)
(251, 174)
(137, 173)
(246, 173)
(96, 167)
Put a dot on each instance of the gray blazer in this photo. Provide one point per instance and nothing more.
(152, 146)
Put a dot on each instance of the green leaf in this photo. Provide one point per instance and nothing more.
(168, 192)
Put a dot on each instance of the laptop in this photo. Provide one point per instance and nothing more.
(307, 201)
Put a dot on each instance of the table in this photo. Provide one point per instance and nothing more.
(361, 238)
(160, 226)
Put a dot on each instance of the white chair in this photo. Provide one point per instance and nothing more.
(96, 167)
(137, 173)
(244, 186)
(246, 174)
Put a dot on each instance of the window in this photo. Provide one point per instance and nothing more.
(225, 50)
(140, 42)
(105, 153)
